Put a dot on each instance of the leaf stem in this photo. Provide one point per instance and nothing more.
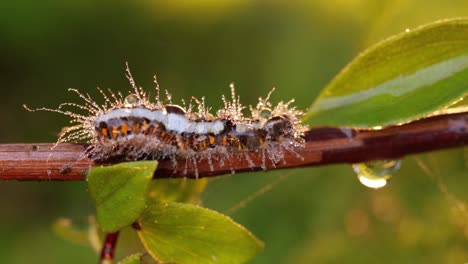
(108, 248)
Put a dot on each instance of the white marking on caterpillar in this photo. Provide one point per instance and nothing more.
(134, 127)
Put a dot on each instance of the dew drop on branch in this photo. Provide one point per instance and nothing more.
(376, 174)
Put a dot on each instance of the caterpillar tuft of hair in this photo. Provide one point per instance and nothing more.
(134, 127)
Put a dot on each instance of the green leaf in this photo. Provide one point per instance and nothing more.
(403, 78)
(185, 233)
(132, 259)
(177, 190)
(119, 192)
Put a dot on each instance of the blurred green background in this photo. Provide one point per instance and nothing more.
(315, 215)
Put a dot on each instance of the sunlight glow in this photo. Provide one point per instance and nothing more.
(372, 183)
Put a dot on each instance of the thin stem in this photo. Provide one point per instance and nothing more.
(324, 145)
(108, 248)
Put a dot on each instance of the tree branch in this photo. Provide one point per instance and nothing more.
(108, 248)
(324, 145)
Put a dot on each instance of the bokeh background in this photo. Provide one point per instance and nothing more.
(314, 215)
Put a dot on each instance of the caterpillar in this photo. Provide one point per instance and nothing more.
(135, 127)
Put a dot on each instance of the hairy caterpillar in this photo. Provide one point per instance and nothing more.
(135, 127)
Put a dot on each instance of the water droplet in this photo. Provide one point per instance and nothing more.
(265, 113)
(131, 100)
(376, 174)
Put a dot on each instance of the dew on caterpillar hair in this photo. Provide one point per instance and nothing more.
(134, 127)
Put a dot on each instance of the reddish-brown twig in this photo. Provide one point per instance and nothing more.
(324, 145)
(108, 248)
